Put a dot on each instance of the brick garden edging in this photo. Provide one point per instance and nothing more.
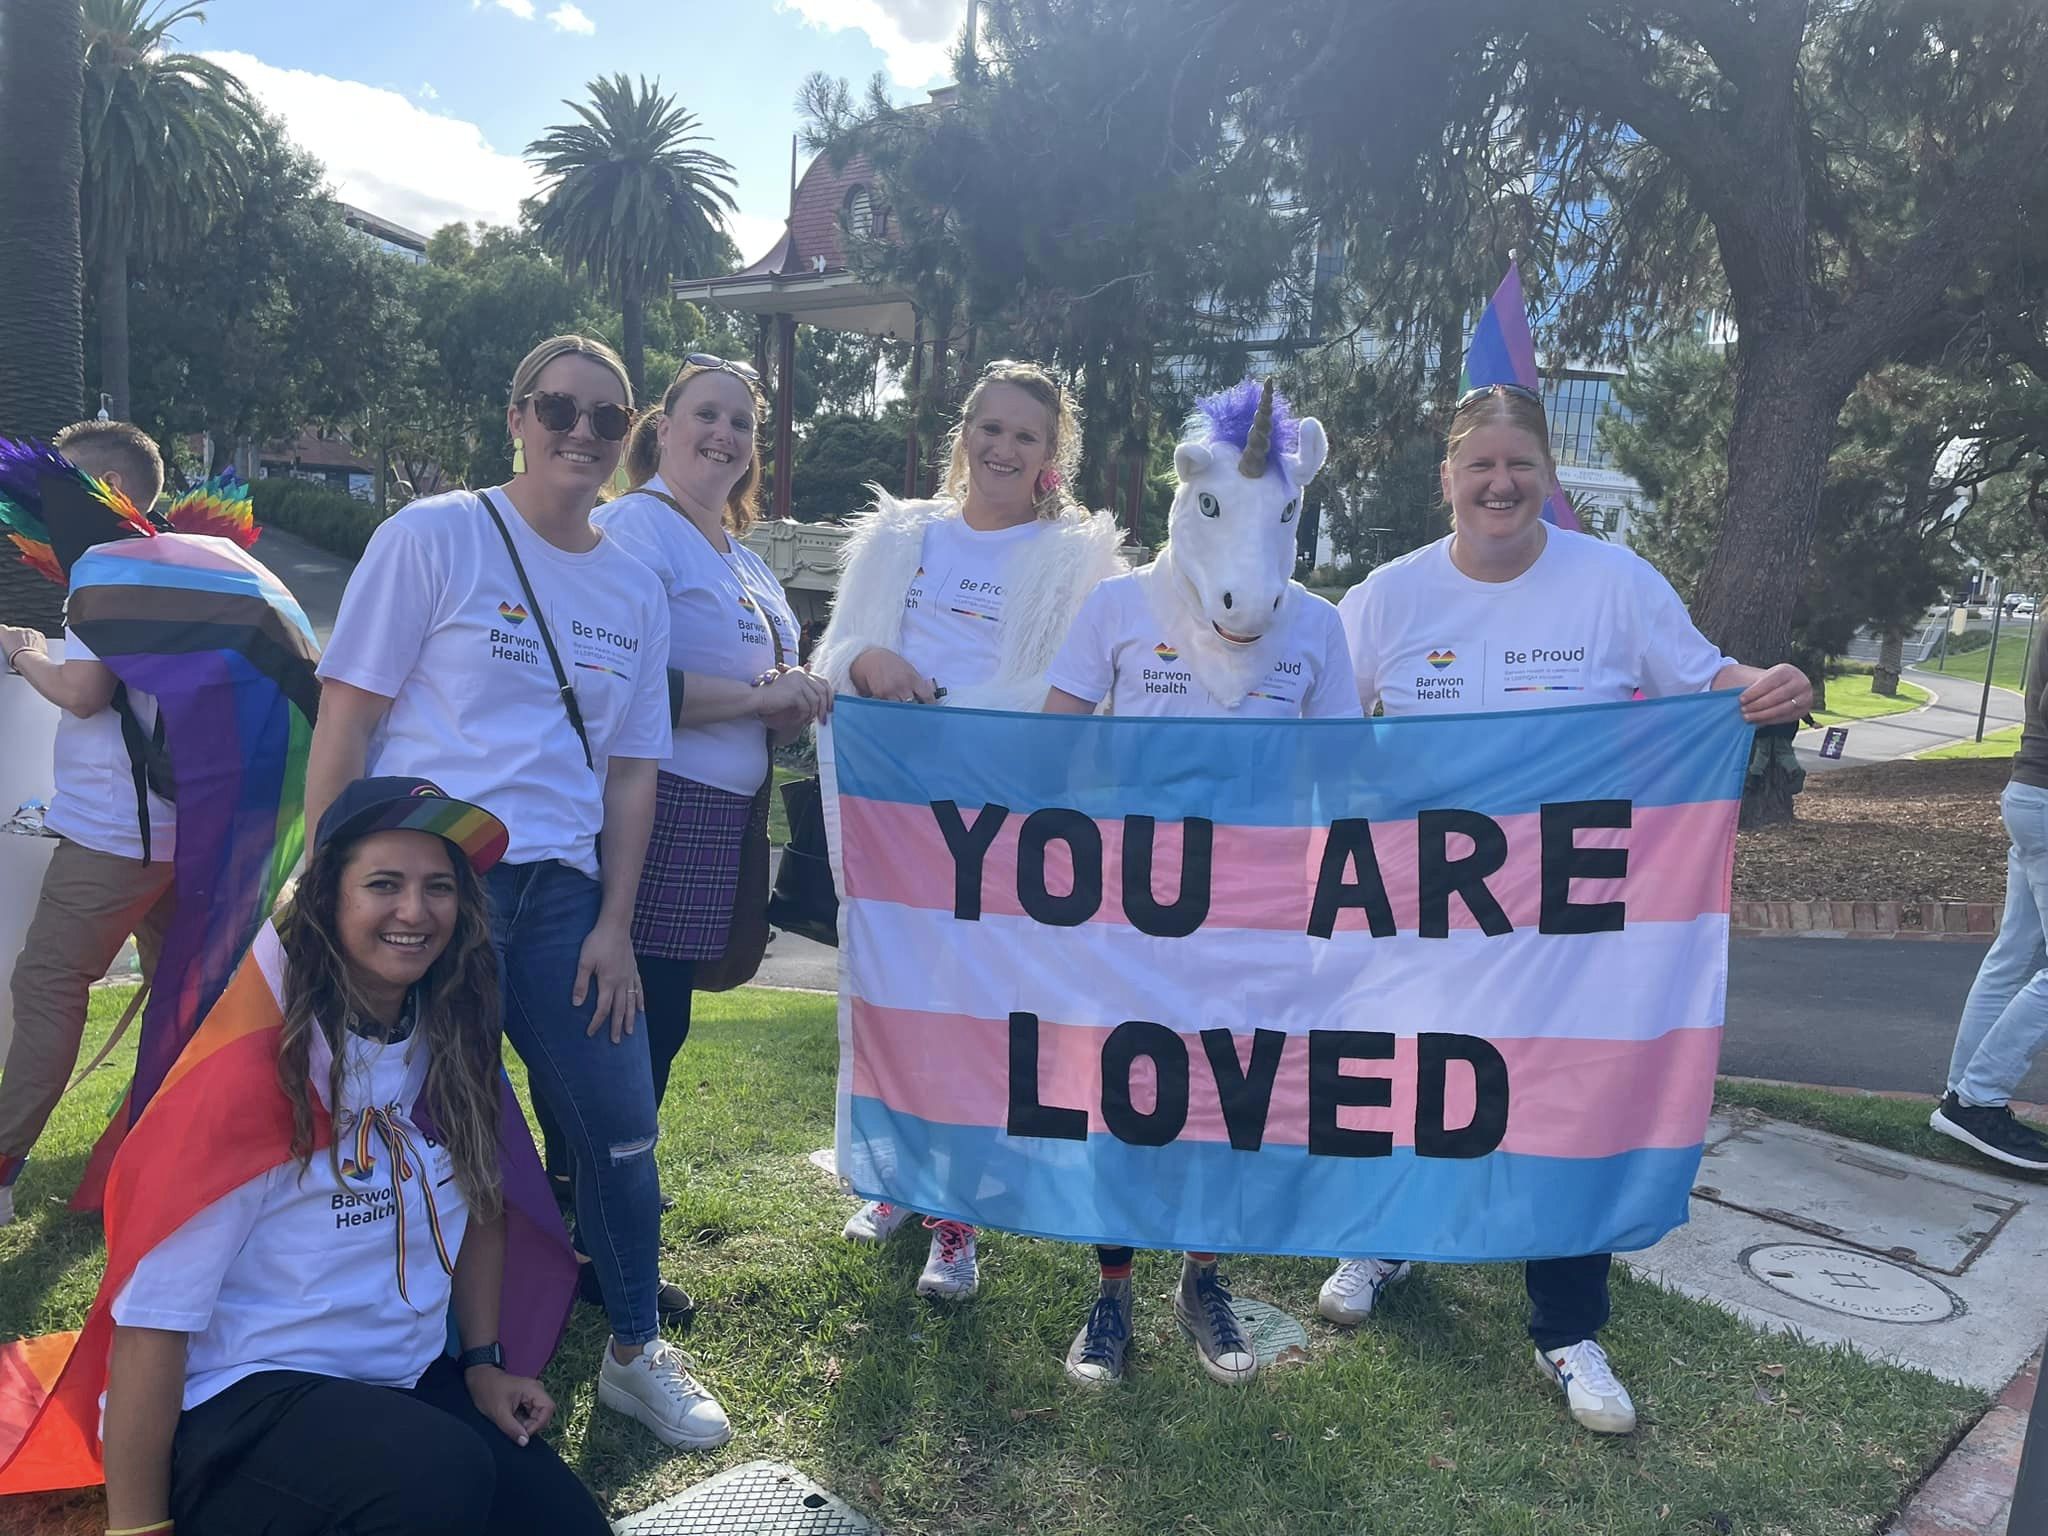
(1965, 921)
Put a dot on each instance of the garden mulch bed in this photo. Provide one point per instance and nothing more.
(1906, 831)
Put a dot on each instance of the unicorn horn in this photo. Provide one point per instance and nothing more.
(1253, 465)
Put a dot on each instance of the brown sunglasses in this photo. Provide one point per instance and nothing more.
(558, 413)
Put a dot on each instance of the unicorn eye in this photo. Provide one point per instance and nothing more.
(1287, 512)
(1208, 505)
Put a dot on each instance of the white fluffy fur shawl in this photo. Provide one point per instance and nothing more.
(1044, 582)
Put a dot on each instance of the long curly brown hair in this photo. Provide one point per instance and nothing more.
(457, 1019)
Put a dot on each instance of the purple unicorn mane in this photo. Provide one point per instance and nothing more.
(1225, 418)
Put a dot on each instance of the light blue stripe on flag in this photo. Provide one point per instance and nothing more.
(1261, 773)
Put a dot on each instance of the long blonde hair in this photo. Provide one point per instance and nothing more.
(1062, 415)
(563, 346)
(643, 447)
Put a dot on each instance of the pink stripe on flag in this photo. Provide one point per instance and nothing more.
(1566, 1098)
(1680, 861)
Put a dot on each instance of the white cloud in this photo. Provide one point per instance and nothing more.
(426, 92)
(387, 155)
(568, 18)
(523, 9)
(915, 36)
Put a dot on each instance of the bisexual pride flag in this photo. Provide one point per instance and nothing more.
(1428, 988)
(1502, 352)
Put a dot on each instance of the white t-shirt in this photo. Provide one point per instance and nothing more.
(1588, 623)
(292, 1274)
(94, 802)
(434, 620)
(1117, 650)
(953, 611)
(719, 607)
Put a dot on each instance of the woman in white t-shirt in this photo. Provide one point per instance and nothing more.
(501, 645)
(1506, 613)
(279, 1360)
(733, 679)
(964, 601)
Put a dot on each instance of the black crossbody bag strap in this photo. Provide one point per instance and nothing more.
(567, 692)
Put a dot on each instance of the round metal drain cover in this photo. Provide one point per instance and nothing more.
(1856, 1284)
(1271, 1331)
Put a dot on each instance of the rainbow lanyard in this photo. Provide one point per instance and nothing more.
(406, 1163)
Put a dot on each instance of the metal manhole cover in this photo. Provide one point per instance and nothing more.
(1856, 1284)
(761, 1498)
(1271, 1331)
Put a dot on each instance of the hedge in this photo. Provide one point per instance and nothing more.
(333, 520)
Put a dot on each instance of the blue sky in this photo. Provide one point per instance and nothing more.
(420, 108)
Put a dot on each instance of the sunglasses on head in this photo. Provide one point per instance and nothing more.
(558, 413)
(744, 372)
(1519, 391)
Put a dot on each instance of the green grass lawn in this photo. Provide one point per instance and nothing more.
(1429, 1421)
(1850, 698)
(778, 820)
(2001, 743)
(1900, 1124)
(2012, 655)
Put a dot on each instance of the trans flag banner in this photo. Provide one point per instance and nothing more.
(1431, 988)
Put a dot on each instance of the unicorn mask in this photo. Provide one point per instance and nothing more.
(1222, 584)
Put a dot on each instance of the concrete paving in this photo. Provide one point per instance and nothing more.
(314, 577)
(1918, 1263)
(1952, 717)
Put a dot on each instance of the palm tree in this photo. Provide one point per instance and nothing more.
(42, 332)
(627, 203)
(164, 148)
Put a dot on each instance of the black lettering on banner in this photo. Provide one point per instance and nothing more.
(1084, 842)
(1330, 1089)
(1246, 1093)
(1440, 877)
(969, 847)
(1169, 1117)
(1197, 855)
(1565, 861)
(1434, 1054)
(1028, 1117)
(1350, 847)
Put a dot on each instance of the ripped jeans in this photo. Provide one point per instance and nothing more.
(600, 1094)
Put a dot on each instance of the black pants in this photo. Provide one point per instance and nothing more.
(286, 1453)
(665, 995)
(1567, 1299)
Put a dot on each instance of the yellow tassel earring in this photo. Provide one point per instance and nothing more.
(518, 457)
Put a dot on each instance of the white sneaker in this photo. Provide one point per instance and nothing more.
(6, 1204)
(657, 1388)
(875, 1222)
(1351, 1292)
(1597, 1399)
(951, 1272)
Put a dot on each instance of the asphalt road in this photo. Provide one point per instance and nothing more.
(1952, 717)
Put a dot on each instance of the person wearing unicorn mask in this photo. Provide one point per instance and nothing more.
(963, 601)
(1214, 627)
(110, 873)
(1508, 612)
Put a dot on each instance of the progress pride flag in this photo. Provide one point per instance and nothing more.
(1423, 988)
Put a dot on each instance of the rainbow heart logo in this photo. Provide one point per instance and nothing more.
(1442, 659)
(1165, 652)
(512, 613)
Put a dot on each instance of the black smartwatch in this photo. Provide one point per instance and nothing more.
(483, 1354)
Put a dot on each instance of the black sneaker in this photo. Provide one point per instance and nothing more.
(1102, 1348)
(1202, 1307)
(1993, 1130)
(674, 1307)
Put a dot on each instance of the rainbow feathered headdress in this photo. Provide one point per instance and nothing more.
(53, 511)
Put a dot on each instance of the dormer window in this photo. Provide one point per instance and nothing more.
(860, 214)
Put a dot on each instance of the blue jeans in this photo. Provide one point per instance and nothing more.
(2005, 1017)
(599, 1094)
(1567, 1299)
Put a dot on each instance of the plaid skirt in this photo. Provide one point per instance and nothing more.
(687, 886)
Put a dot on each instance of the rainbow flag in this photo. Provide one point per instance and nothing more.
(1429, 988)
(183, 1154)
(202, 625)
(1502, 352)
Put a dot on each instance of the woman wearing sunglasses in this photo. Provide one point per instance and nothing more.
(967, 599)
(734, 685)
(498, 643)
(1531, 617)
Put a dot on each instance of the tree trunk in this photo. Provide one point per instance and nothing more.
(113, 317)
(633, 326)
(42, 277)
(1891, 656)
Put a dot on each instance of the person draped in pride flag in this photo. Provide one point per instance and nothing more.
(964, 600)
(1215, 626)
(1509, 612)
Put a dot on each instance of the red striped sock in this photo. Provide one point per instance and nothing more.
(1203, 1258)
(1117, 1271)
